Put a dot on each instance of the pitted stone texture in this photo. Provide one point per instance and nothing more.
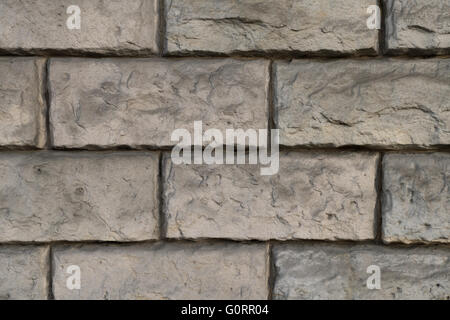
(114, 27)
(50, 196)
(22, 106)
(416, 198)
(314, 196)
(418, 26)
(324, 271)
(377, 103)
(24, 272)
(164, 271)
(294, 26)
(140, 102)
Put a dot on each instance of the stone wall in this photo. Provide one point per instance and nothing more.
(87, 180)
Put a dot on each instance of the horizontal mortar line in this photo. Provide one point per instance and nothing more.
(253, 57)
(205, 241)
(355, 149)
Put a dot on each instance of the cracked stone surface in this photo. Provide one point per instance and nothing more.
(327, 271)
(418, 26)
(376, 103)
(23, 272)
(314, 196)
(22, 106)
(164, 271)
(140, 102)
(107, 27)
(299, 26)
(51, 196)
(416, 198)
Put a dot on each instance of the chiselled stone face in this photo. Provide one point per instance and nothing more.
(224, 149)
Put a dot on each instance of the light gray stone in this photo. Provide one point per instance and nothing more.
(416, 198)
(164, 271)
(107, 27)
(314, 196)
(327, 271)
(418, 26)
(294, 26)
(24, 272)
(386, 103)
(140, 102)
(22, 106)
(50, 196)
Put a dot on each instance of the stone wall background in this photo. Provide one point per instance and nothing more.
(85, 170)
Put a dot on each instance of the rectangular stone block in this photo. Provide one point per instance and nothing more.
(416, 197)
(52, 196)
(386, 103)
(140, 102)
(326, 196)
(418, 26)
(285, 26)
(22, 106)
(164, 271)
(24, 272)
(112, 27)
(327, 271)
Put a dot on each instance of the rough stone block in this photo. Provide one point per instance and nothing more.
(113, 27)
(140, 102)
(416, 197)
(326, 271)
(314, 196)
(51, 196)
(24, 272)
(164, 271)
(301, 26)
(418, 26)
(22, 106)
(386, 103)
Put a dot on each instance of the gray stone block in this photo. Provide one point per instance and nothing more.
(315, 195)
(112, 27)
(22, 105)
(418, 26)
(164, 271)
(416, 197)
(301, 26)
(140, 102)
(327, 271)
(52, 196)
(24, 272)
(386, 103)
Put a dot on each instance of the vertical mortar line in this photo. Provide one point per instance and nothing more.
(162, 219)
(382, 31)
(270, 125)
(378, 209)
(270, 265)
(270, 103)
(50, 295)
(46, 85)
(161, 27)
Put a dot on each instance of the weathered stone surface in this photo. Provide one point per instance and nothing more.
(164, 271)
(22, 107)
(107, 27)
(139, 102)
(326, 271)
(314, 196)
(416, 197)
(305, 26)
(418, 26)
(24, 272)
(49, 196)
(383, 103)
